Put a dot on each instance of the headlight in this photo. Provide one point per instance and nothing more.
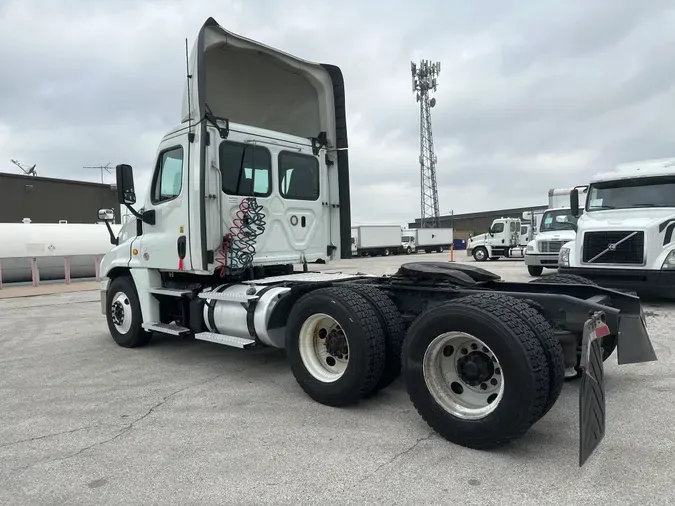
(564, 257)
(669, 262)
(529, 249)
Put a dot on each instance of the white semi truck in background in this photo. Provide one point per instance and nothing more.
(429, 240)
(625, 234)
(253, 185)
(557, 226)
(507, 237)
(376, 240)
(409, 240)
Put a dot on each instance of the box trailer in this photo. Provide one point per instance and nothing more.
(374, 240)
(434, 239)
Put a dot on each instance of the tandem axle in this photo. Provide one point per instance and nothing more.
(461, 337)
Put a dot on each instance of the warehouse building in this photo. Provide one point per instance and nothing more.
(468, 224)
(50, 200)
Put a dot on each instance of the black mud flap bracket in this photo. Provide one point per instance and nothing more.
(592, 389)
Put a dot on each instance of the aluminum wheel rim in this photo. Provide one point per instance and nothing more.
(445, 365)
(480, 254)
(120, 310)
(323, 344)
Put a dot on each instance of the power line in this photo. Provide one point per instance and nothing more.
(424, 80)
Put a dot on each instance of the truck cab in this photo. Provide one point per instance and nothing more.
(557, 227)
(408, 243)
(624, 236)
(498, 241)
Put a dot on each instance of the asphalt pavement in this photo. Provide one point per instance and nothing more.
(83, 421)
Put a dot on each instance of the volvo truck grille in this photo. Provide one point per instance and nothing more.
(625, 247)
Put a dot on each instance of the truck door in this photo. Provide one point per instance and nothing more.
(496, 238)
(303, 188)
(159, 244)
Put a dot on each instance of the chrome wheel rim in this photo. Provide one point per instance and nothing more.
(463, 375)
(324, 348)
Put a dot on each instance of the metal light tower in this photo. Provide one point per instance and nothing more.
(424, 79)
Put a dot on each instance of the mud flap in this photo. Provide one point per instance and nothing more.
(592, 390)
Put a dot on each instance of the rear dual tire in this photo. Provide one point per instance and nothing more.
(343, 343)
(509, 367)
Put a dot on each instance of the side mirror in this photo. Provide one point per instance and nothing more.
(574, 203)
(106, 215)
(125, 185)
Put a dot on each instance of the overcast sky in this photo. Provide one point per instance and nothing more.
(533, 94)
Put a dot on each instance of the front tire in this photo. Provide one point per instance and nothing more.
(123, 314)
(335, 345)
(480, 254)
(535, 270)
(499, 343)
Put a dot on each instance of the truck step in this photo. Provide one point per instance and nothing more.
(232, 297)
(166, 328)
(172, 292)
(236, 342)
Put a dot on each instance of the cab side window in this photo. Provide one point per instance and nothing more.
(168, 180)
(497, 228)
(246, 169)
(298, 176)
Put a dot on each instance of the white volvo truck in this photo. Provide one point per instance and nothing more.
(253, 185)
(557, 226)
(625, 237)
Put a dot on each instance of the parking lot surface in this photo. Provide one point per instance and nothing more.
(184, 422)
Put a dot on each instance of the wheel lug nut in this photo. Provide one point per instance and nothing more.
(474, 346)
(483, 386)
(493, 381)
(498, 370)
(464, 351)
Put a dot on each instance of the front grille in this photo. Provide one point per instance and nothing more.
(604, 244)
(550, 246)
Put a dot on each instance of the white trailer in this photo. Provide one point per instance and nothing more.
(625, 235)
(233, 207)
(432, 240)
(375, 240)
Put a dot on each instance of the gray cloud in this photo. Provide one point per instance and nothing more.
(532, 94)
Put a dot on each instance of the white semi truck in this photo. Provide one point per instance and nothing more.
(253, 185)
(503, 239)
(625, 235)
(429, 240)
(409, 241)
(557, 226)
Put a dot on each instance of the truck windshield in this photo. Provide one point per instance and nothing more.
(559, 219)
(632, 193)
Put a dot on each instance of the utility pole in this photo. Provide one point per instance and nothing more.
(102, 168)
(424, 80)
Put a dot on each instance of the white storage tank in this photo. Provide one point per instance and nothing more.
(50, 244)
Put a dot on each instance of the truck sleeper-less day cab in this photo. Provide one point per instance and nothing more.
(256, 180)
(504, 239)
(625, 237)
(558, 226)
